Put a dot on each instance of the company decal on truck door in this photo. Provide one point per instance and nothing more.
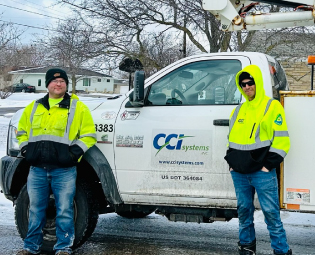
(131, 141)
(104, 139)
(185, 148)
(108, 115)
(129, 115)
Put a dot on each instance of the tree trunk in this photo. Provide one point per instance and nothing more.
(74, 83)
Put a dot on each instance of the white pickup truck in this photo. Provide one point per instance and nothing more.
(159, 149)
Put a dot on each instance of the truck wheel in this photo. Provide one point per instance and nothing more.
(85, 217)
(135, 214)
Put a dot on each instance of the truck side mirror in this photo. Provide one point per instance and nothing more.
(136, 98)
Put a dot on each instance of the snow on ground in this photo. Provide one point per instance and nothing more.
(22, 99)
(6, 207)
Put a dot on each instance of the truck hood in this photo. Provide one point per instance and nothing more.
(91, 103)
(111, 103)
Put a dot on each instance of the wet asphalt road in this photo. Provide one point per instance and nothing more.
(155, 235)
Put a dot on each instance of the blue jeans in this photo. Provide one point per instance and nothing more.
(63, 184)
(266, 186)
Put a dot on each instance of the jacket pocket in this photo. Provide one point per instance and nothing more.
(243, 162)
(32, 154)
(37, 120)
(64, 156)
(61, 121)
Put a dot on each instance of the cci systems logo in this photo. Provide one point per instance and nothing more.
(158, 139)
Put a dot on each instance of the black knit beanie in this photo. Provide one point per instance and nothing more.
(55, 73)
(244, 76)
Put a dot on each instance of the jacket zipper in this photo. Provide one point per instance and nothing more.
(252, 131)
(67, 120)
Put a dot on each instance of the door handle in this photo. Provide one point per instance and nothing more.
(221, 122)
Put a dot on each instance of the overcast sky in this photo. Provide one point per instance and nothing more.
(32, 15)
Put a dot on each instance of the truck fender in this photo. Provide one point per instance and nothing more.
(12, 165)
(99, 163)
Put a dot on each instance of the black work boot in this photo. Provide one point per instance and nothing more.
(247, 249)
(289, 252)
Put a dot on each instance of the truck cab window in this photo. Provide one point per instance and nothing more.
(200, 83)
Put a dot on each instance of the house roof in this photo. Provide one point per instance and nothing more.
(43, 70)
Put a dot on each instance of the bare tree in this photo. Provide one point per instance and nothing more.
(124, 29)
(5, 82)
(73, 46)
(18, 55)
(9, 38)
(129, 18)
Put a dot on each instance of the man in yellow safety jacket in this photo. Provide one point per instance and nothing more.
(53, 132)
(258, 142)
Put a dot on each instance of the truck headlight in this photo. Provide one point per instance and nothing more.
(13, 145)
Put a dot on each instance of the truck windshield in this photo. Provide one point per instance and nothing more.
(210, 82)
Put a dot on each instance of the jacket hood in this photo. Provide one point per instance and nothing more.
(255, 72)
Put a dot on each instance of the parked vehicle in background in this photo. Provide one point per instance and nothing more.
(22, 87)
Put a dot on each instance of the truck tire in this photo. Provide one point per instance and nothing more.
(85, 217)
(135, 214)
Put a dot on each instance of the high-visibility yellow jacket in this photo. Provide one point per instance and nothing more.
(258, 133)
(57, 136)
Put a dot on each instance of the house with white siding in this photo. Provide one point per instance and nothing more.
(86, 80)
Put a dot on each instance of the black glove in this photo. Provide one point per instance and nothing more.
(75, 152)
(22, 152)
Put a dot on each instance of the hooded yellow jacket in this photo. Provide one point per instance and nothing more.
(258, 133)
(57, 136)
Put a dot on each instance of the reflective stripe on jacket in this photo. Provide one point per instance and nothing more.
(56, 136)
(258, 133)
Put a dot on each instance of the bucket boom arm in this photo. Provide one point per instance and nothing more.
(234, 14)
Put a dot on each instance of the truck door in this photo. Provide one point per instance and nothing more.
(170, 151)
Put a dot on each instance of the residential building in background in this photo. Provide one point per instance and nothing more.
(121, 86)
(86, 80)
